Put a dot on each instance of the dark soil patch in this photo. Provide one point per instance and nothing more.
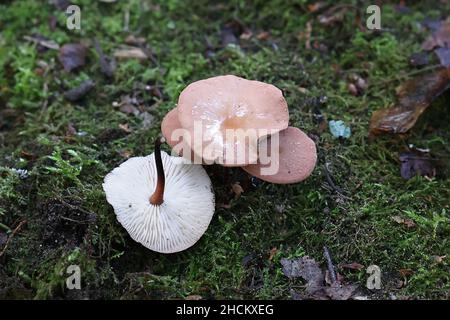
(65, 223)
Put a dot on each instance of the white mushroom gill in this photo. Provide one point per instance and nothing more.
(181, 219)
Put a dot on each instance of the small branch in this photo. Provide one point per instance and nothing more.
(16, 229)
(330, 265)
(330, 179)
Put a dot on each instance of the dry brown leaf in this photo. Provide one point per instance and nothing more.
(237, 189)
(439, 38)
(130, 53)
(353, 266)
(414, 96)
(405, 221)
(125, 127)
(263, 35)
(405, 272)
(272, 253)
(72, 56)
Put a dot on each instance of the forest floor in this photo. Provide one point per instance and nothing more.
(355, 203)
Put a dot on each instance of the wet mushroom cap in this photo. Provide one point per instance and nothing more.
(177, 223)
(174, 138)
(230, 102)
(296, 159)
(169, 124)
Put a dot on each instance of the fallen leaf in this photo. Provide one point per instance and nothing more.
(60, 4)
(263, 35)
(272, 253)
(310, 271)
(440, 37)
(72, 56)
(353, 266)
(415, 162)
(80, 91)
(306, 268)
(333, 15)
(125, 127)
(414, 96)
(130, 53)
(444, 56)
(224, 205)
(70, 131)
(439, 259)
(42, 42)
(338, 291)
(134, 41)
(237, 190)
(317, 6)
(194, 297)
(409, 223)
(352, 89)
(405, 272)
(126, 153)
(246, 35)
(405, 221)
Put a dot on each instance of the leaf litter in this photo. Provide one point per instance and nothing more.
(316, 288)
(414, 97)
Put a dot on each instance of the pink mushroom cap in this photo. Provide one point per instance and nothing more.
(228, 104)
(296, 159)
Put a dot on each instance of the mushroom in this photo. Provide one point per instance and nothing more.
(164, 202)
(293, 161)
(233, 114)
(174, 133)
(169, 124)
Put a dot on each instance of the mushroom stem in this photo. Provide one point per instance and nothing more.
(157, 198)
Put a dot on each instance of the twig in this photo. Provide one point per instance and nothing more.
(330, 265)
(75, 221)
(16, 229)
(330, 179)
(107, 65)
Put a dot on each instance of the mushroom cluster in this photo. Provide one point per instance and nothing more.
(166, 202)
(232, 121)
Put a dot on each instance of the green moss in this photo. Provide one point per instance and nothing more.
(232, 259)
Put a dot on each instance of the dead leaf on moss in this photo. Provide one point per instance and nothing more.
(130, 53)
(237, 189)
(415, 162)
(405, 221)
(439, 38)
(125, 127)
(272, 253)
(444, 56)
(352, 266)
(309, 270)
(72, 56)
(414, 97)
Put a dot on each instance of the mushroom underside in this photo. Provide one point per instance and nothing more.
(183, 217)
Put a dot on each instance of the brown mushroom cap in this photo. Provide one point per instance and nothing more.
(297, 158)
(230, 102)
